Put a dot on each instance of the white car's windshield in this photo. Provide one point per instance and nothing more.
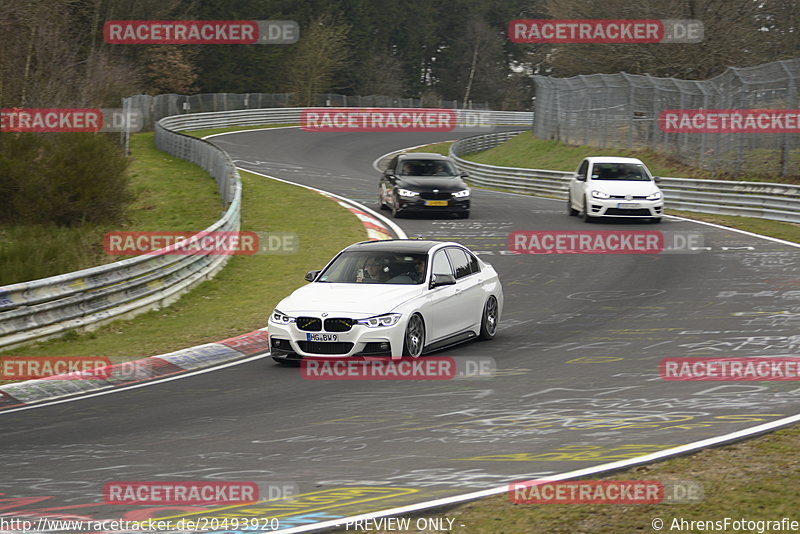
(427, 167)
(376, 268)
(619, 171)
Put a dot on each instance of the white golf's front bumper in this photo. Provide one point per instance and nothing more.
(615, 207)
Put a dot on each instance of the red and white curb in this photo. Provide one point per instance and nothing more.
(376, 230)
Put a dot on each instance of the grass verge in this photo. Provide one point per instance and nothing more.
(525, 150)
(241, 296)
(169, 194)
(755, 480)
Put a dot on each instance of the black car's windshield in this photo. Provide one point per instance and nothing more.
(376, 268)
(619, 171)
(427, 167)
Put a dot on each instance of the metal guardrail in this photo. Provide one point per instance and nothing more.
(52, 306)
(255, 117)
(765, 200)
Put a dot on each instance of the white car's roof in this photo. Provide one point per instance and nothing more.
(613, 159)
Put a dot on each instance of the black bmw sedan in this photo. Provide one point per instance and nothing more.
(424, 182)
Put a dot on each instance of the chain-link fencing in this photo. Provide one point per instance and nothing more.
(623, 110)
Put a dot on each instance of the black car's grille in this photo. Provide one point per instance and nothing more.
(309, 324)
(322, 347)
(435, 196)
(339, 324)
(631, 212)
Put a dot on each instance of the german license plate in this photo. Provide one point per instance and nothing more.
(322, 337)
(436, 203)
(628, 205)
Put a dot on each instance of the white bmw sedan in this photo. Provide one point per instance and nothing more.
(388, 298)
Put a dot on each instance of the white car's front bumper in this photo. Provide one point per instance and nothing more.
(288, 341)
(615, 207)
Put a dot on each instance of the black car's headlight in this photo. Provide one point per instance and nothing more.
(464, 193)
(407, 193)
(387, 319)
(281, 318)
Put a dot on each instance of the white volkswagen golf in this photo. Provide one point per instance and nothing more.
(614, 187)
(388, 298)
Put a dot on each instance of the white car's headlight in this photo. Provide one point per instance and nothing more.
(461, 194)
(281, 318)
(654, 196)
(599, 194)
(407, 193)
(388, 319)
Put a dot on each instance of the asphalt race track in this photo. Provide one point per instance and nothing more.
(577, 384)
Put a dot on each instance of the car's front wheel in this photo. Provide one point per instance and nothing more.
(381, 203)
(395, 210)
(570, 210)
(584, 213)
(489, 319)
(414, 340)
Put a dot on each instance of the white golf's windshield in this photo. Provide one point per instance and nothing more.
(376, 268)
(620, 171)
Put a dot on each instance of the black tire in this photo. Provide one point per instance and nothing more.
(570, 211)
(655, 220)
(395, 211)
(381, 203)
(584, 213)
(414, 339)
(489, 319)
(462, 214)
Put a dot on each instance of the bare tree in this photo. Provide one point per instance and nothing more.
(732, 37)
(319, 55)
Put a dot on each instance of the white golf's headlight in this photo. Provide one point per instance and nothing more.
(461, 194)
(407, 193)
(388, 319)
(281, 318)
(599, 194)
(654, 196)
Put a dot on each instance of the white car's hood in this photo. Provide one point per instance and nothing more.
(357, 300)
(622, 187)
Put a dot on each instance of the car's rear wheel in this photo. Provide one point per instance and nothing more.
(414, 340)
(489, 319)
